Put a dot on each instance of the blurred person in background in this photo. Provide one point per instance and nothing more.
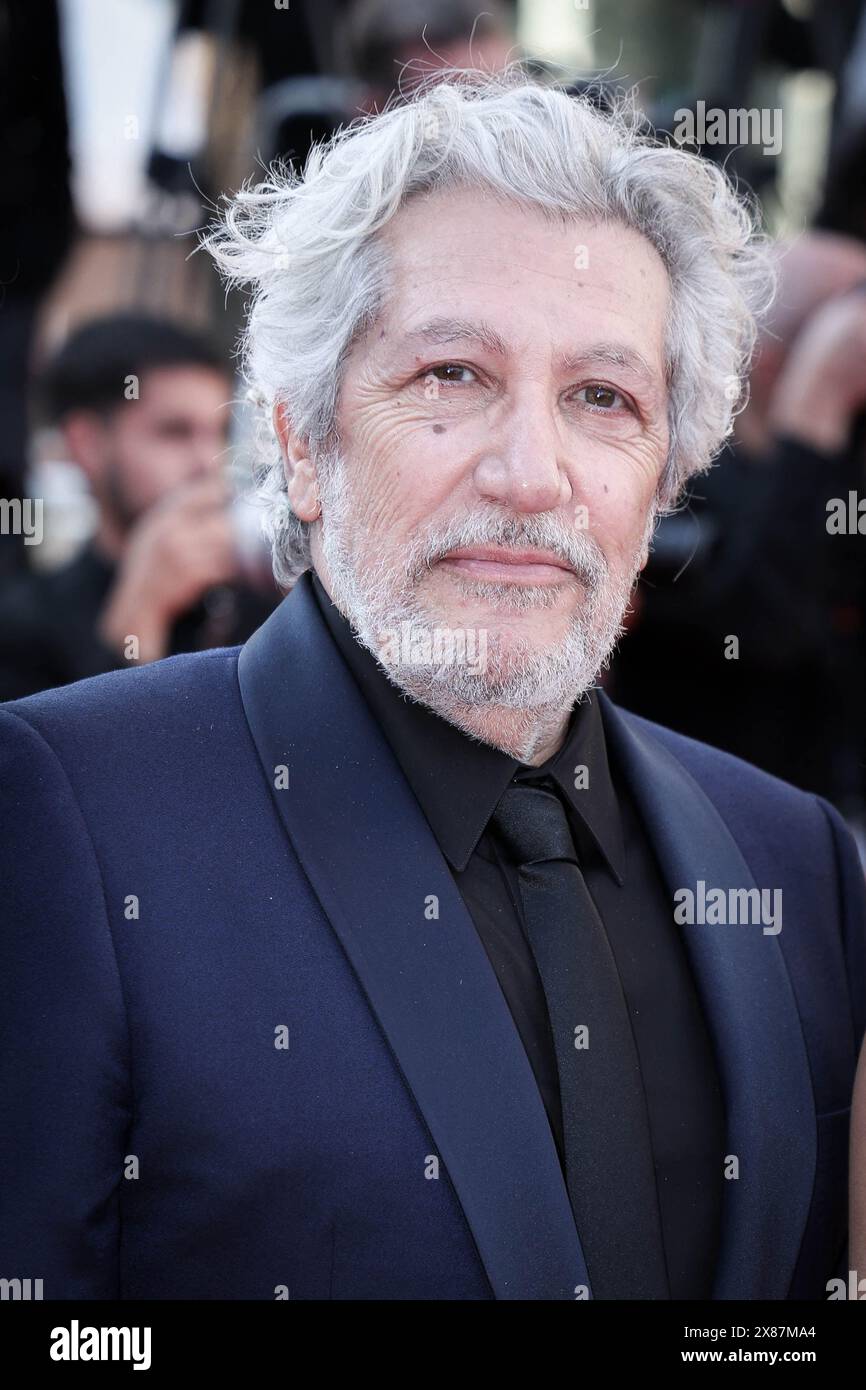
(143, 407)
(391, 47)
(36, 221)
(755, 558)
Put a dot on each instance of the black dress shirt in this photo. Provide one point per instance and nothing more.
(458, 781)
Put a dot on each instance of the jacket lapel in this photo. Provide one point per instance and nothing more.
(753, 1019)
(375, 866)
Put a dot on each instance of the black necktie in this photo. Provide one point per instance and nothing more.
(608, 1159)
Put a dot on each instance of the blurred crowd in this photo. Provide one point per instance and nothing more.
(120, 398)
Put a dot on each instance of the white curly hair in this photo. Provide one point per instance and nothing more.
(306, 248)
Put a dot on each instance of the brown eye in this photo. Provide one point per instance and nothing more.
(603, 397)
(449, 372)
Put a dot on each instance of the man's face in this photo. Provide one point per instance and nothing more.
(176, 431)
(502, 427)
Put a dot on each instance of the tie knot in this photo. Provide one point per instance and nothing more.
(533, 825)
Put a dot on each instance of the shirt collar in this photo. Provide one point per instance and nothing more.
(459, 804)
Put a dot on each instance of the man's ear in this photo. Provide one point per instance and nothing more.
(84, 435)
(298, 467)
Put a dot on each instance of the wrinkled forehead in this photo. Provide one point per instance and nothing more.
(522, 280)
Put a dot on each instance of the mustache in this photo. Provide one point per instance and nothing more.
(577, 550)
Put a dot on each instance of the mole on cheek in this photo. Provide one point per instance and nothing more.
(606, 488)
(438, 429)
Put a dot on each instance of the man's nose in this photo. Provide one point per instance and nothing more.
(523, 466)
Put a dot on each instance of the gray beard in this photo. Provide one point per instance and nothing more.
(472, 676)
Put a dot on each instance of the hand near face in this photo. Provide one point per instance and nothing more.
(181, 548)
(822, 387)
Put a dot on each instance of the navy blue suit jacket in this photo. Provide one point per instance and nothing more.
(173, 914)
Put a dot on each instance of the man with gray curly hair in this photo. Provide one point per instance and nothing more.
(496, 997)
(605, 289)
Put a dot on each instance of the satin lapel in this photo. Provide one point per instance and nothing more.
(752, 1015)
(375, 866)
